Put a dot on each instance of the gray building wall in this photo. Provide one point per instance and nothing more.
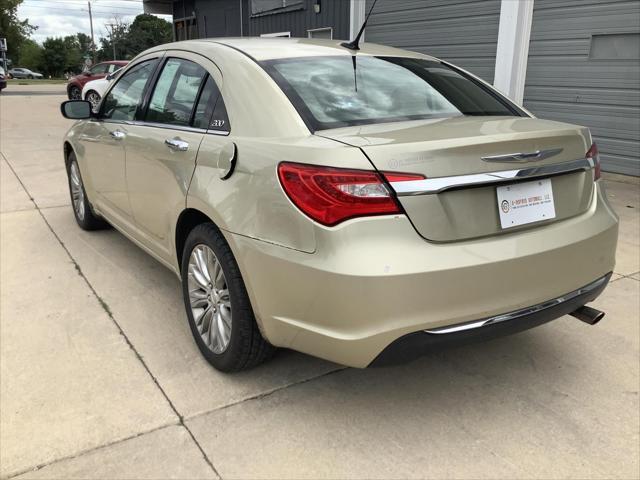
(460, 31)
(219, 18)
(333, 13)
(573, 74)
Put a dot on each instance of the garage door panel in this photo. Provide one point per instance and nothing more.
(579, 73)
(595, 96)
(464, 32)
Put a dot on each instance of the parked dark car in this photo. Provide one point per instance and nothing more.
(24, 73)
(3, 79)
(100, 70)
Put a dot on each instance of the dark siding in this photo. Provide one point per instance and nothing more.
(565, 83)
(333, 13)
(464, 32)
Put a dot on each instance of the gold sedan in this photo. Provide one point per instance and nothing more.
(363, 206)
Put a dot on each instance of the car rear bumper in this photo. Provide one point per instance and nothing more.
(373, 281)
(415, 344)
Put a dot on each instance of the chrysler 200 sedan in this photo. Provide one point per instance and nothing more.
(362, 206)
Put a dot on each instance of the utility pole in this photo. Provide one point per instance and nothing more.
(93, 44)
(112, 35)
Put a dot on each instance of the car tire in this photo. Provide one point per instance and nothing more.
(74, 93)
(93, 97)
(82, 210)
(218, 307)
(30, 77)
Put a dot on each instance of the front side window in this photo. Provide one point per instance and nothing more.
(340, 91)
(121, 103)
(176, 92)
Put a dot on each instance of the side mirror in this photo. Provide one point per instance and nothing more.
(76, 109)
(86, 73)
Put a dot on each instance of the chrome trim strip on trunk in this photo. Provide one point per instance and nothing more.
(461, 327)
(440, 184)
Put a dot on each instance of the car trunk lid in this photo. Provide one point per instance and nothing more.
(471, 157)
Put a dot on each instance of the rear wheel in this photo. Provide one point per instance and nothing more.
(85, 217)
(217, 303)
(74, 93)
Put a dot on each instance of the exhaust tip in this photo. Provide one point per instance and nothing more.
(588, 315)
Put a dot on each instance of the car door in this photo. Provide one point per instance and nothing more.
(103, 159)
(162, 146)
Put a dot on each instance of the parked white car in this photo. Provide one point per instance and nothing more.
(94, 90)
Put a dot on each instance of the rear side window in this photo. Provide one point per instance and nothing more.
(211, 113)
(340, 91)
(122, 101)
(176, 92)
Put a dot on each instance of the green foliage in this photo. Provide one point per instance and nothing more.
(14, 30)
(31, 56)
(54, 57)
(145, 32)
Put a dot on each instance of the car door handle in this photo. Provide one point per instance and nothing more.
(117, 134)
(177, 144)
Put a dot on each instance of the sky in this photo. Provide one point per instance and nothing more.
(58, 18)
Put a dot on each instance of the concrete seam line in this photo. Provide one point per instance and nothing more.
(105, 307)
(268, 393)
(88, 450)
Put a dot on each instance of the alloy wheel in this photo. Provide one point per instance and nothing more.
(74, 93)
(94, 99)
(209, 298)
(77, 192)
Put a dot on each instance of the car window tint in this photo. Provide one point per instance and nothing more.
(175, 93)
(206, 103)
(99, 69)
(338, 91)
(219, 119)
(122, 101)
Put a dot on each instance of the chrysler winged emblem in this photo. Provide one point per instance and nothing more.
(524, 157)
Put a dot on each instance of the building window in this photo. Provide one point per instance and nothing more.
(615, 46)
(264, 7)
(186, 28)
(277, 34)
(326, 32)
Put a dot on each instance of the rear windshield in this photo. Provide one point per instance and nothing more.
(341, 91)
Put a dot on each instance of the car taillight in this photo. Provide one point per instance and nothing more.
(593, 154)
(331, 195)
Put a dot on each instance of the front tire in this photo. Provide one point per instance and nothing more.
(74, 93)
(218, 306)
(93, 97)
(82, 210)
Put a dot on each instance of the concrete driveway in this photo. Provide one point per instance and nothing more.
(100, 377)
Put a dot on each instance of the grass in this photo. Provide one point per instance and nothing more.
(20, 81)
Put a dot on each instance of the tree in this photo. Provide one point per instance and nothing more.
(73, 54)
(31, 55)
(147, 31)
(115, 43)
(54, 59)
(14, 30)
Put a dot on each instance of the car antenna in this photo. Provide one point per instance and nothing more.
(355, 43)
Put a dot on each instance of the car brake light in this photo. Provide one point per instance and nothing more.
(331, 195)
(593, 154)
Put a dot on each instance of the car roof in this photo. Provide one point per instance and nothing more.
(116, 62)
(260, 48)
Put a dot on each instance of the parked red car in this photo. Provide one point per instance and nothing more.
(99, 70)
